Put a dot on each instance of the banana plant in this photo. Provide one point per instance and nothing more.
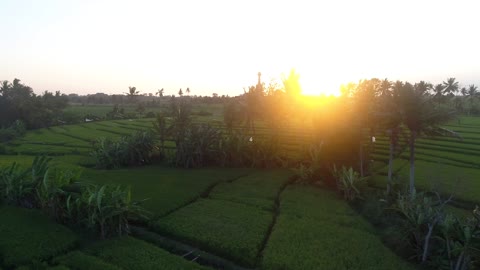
(347, 181)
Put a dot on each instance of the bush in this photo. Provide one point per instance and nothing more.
(309, 170)
(17, 129)
(136, 149)
(102, 208)
(199, 147)
(105, 209)
(238, 149)
(439, 239)
(347, 182)
(18, 186)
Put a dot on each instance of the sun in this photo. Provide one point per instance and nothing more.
(313, 84)
(320, 88)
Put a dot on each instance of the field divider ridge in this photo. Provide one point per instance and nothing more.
(276, 213)
(202, 195)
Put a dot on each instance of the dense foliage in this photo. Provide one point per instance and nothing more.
(437, 238)
(105, 209)
(136, 149)
(19, 102)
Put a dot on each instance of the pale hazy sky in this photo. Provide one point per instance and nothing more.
(219, 46)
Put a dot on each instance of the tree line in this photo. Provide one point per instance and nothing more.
(19, 102)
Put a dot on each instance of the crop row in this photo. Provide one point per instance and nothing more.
(317, 230)
(233, 221)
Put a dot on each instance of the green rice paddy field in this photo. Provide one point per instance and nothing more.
(255, 219)
(448, 165)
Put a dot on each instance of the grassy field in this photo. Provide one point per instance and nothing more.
(243, 215)
(27, 235)
(317, 230)
(235, 218)
(445, 164)
(164, 188)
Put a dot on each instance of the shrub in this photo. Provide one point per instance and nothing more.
(17, 129)
(18, 186)
(439, 239)
(347, 182)
(266, 153)
(199, 147)
(107, 209)
(234, 150)
(136, 149)
(51, 195)
(309, 170)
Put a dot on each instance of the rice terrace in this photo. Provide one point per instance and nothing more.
(348, 162)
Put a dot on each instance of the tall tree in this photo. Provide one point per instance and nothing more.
(291, 84)
(180, 92)
(188, 91)
(385, 88)
(364, 99)
(160, 92)
(132, 92)
(438, 92)
(421, 116)
(450, 86)
(423, 87)
(472, 93)
(390, 120)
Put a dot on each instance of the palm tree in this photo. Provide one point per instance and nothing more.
(438, 90)
(292, 84)
(472, 92)
(188, 91)
(423, 87)
(390, 120)
(159, 92)
(450, 86)
(463, 91)
(420, 116)
(132, 92)
(385, 88)
(364, 113)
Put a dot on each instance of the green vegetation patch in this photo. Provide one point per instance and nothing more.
(130, 253)
(258, 189)
(165, 188)
(22, 160)
(47, 136)
(78, 260)
(235, 231)
(28, 235)
(316, 230)
(448, 179)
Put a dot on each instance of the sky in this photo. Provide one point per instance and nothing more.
(219, 47)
